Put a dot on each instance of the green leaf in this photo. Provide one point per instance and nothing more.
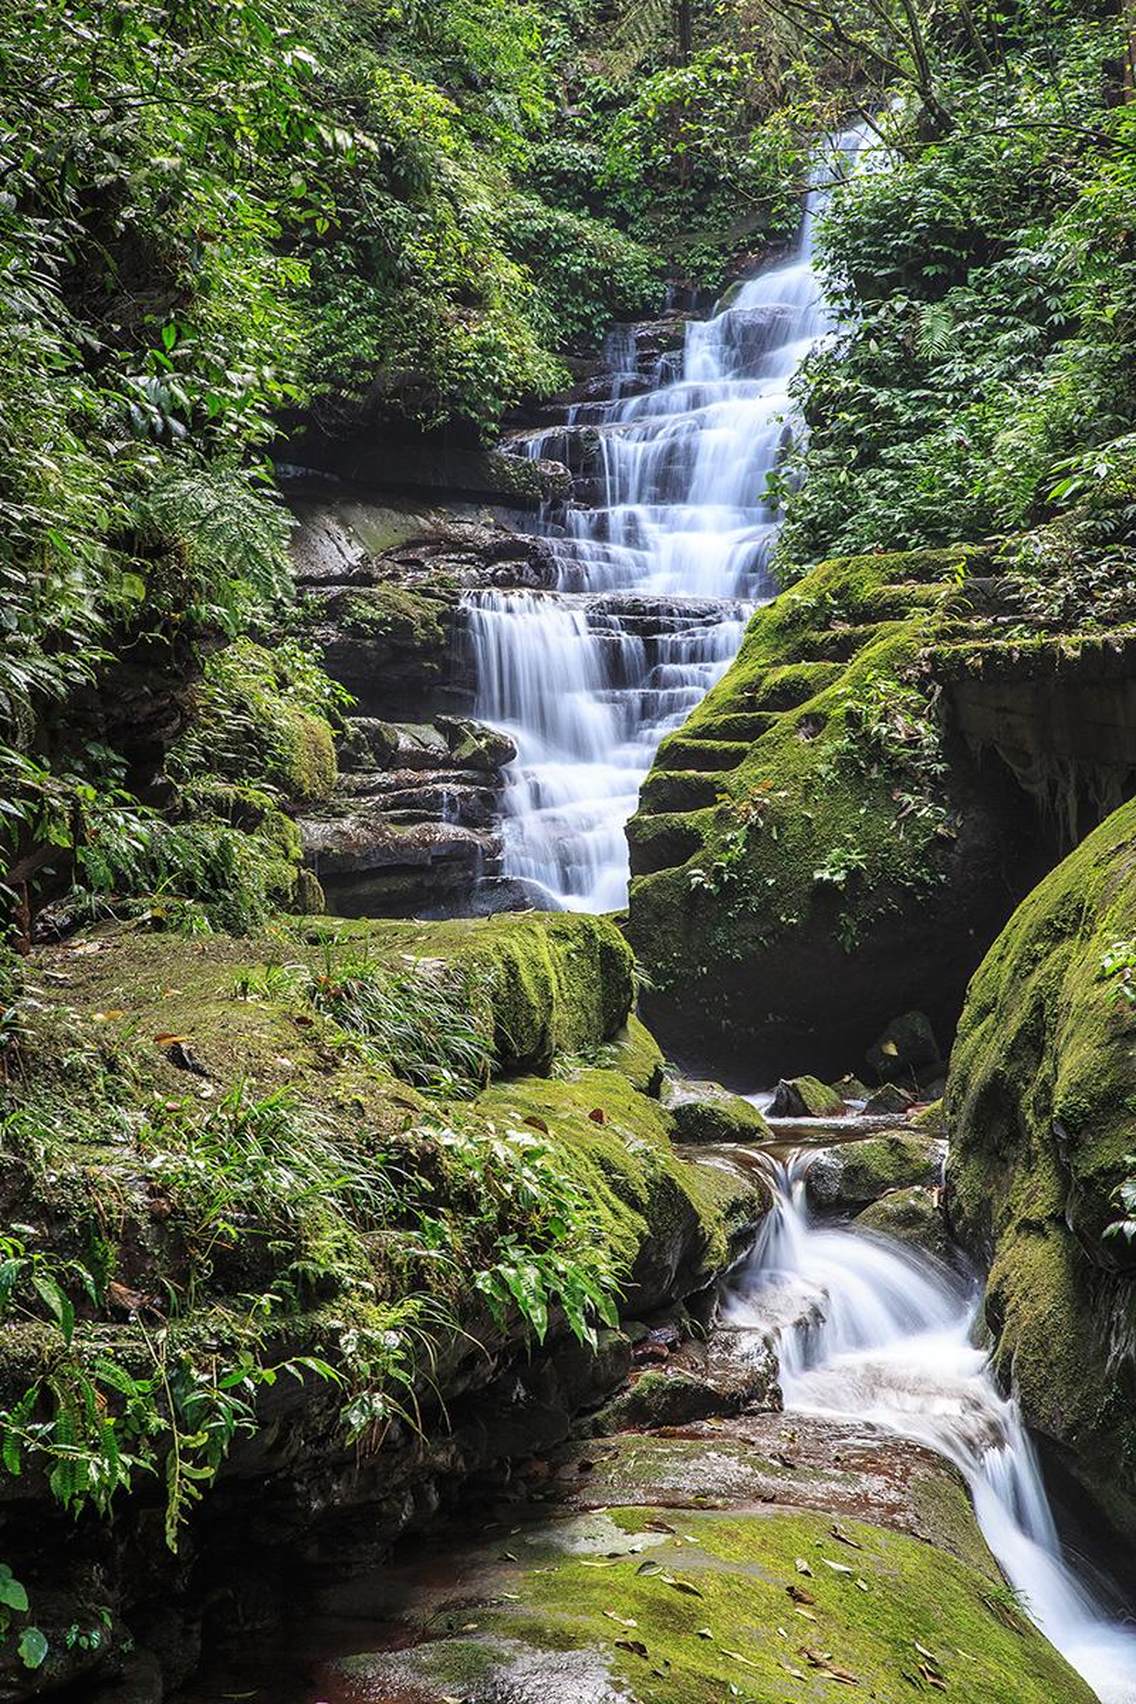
(32, 1647)
(12, 1593)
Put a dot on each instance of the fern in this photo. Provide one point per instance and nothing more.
(224, 529)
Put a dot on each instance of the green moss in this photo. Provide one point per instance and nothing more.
(634, 1051)
(808, 1097)
(734, 1629)
(1041, 1109)
(705, 1112)
(405, 618)
(809, 832)
(619, 1141)
(254, 720)
(912, 1216)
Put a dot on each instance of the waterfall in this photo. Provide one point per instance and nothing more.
(653, 585)
(879, 1333)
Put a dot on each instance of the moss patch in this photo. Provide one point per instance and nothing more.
(1041, 1109)
(710, 1613)
(829, 846)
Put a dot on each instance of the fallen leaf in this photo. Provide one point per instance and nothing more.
(598, 1115)
(108, 1017)
(838, 1531)
(623, 1620)
(797, 1674)
(806, 1614)
(736, 1656)
(538, 1124)
(635, 1645)
(166, 1038)
(799, 1594)
(802, 1566)
(705, 1633)
(862, 1585)
(682, 1586)
(658, 1526)
(837, 1567)
(649, 1567)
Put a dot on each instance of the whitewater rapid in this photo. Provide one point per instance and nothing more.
(886, 1337)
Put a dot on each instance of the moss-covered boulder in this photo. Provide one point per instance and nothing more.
(809, 855)
(313, 1148)
(706, 1112)
(805, 1097)
(914, 1216)
(1041, 1110)
(852, 1174)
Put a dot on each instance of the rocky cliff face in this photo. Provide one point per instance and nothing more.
(1040, 1110)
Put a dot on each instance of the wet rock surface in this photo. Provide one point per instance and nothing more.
(855, 1173)
(413, 822)
(756, 1558)
(703, 1111)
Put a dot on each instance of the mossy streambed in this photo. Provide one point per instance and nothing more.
(760, 1559)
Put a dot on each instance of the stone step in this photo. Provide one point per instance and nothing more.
(683, 752)
(678, 790)
(736, 725)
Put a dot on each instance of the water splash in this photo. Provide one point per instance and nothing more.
(655, 583)
(871, 1330)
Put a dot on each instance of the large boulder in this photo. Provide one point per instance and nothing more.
(706, 1112)
(811, 855)
(852, 1174)
(1041, 1110)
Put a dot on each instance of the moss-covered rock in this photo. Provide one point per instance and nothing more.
(706, 1112)
(845, 864)
(913, 1216)
(192, 1123)
(852, 1174)
(655, 1606)
(634, 1051)
(906, 1046)
(805, 1097)
(388, 644)
(1041, 1110)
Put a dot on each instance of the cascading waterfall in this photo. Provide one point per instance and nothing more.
(653, 585)
(880, 1335)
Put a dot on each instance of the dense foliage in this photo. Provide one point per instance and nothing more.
(986, 280)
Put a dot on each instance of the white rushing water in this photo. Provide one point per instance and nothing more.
(883, 1336)
(654, 584)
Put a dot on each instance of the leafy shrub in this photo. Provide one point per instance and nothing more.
(691, 169)
(258, 718)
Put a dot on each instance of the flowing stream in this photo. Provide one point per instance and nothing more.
(879, 1334)
(653, 585)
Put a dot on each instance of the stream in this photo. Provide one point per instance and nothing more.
(885, 1337)
(654, 585)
